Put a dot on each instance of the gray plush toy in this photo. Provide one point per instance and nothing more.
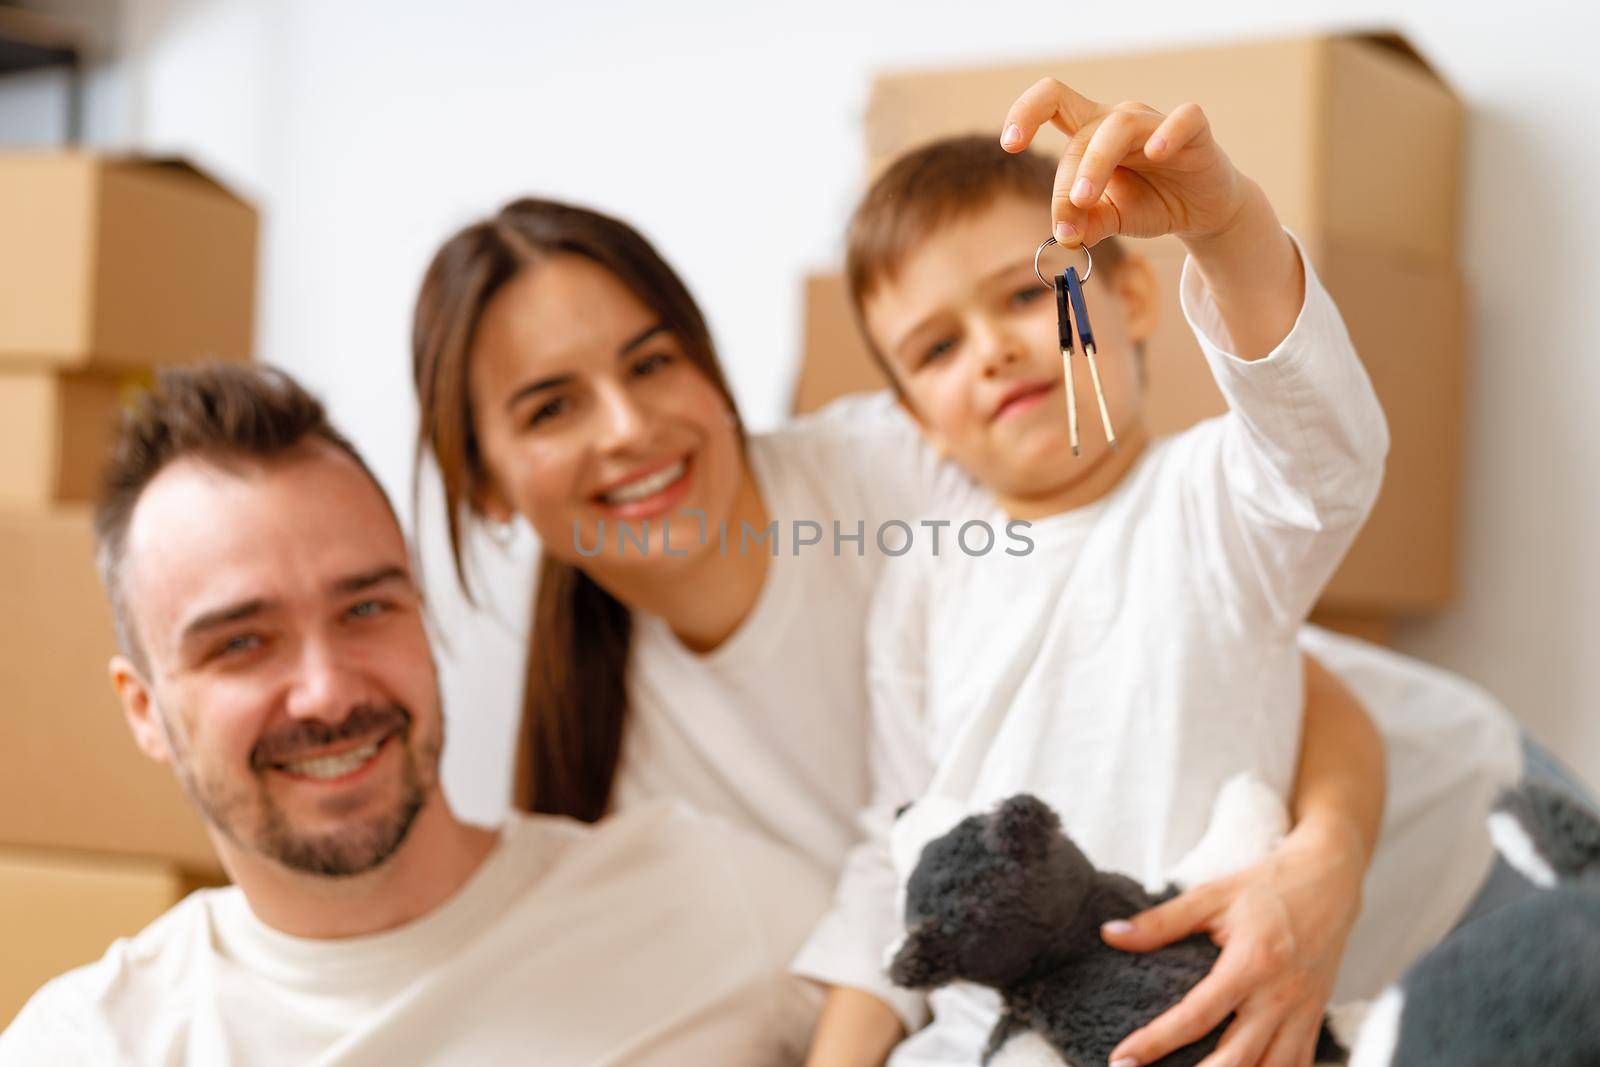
(1522, 984)
(1006, 900)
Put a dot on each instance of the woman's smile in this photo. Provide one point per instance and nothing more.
(648, 492)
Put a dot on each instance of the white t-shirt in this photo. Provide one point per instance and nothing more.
(1142, 654)
(770, 728)
(654, 937)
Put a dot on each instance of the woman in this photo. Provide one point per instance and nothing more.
(565, 375)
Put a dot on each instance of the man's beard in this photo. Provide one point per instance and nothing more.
(254, 820)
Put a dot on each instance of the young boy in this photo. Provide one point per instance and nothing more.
(1145, 651)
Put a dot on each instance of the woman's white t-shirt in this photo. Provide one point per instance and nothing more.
(770, 728)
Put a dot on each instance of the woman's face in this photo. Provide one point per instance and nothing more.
(588, 412)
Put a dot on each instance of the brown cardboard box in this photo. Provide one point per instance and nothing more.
(55, 429)
(834, 358)
(61, 910)
(1352, 136)
(70, 774)
(1406, 322)
(119, 263)
(1357, 142)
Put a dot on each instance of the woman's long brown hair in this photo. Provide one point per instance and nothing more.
(574, 703)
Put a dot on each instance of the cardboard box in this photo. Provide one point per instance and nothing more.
(59, 911)
(70, 774)
(834, 358)
(55, 431)
(119, 263)
(1353, 136)
(1407, 324)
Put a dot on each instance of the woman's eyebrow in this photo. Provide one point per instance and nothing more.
(534, 387)
(563, 379)
(643, 336)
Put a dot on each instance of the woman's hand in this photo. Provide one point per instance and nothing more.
(1129, 169)
(1282, 926)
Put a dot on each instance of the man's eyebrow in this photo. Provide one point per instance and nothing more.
(355, 583)
(562, 379)
(224, 616)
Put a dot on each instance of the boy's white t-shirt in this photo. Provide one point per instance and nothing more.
(657, 937)
(1143, 653)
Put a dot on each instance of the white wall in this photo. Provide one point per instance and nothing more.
(368, 130)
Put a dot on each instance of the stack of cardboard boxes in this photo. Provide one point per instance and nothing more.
(108, 268)
(1357, 143)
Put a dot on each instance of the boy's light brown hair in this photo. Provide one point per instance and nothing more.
(926, 190)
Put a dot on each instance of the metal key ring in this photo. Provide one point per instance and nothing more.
(1046, 282)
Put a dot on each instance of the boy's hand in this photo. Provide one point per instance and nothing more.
(1129, 169)
(1133, 171)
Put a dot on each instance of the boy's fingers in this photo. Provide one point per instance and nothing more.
(1063, 212)
(1186, 124)
(1200, 1011)
(1123, 132)
(1103, 220)
(1046, 100)
(1163, 924)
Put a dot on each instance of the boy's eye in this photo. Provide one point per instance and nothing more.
(548, 410)
(1026, 295)
(937, 350)
(651, 364)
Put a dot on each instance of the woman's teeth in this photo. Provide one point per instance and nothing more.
(647, 486)
(334, 766)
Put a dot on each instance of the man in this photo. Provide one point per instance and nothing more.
(274, 653)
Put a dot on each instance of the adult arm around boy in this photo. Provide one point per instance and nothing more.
(1282, 924)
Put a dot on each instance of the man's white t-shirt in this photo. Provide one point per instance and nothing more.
(657, 937)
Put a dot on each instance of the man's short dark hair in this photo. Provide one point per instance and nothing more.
(225, 414)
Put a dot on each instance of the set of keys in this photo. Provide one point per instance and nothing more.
(1072, 311)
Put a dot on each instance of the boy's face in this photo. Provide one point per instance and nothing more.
(970, 337)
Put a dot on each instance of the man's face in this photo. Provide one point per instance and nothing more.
(970, 336)
(288, 675)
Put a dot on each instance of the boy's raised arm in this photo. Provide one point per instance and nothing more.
(1281, 488)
